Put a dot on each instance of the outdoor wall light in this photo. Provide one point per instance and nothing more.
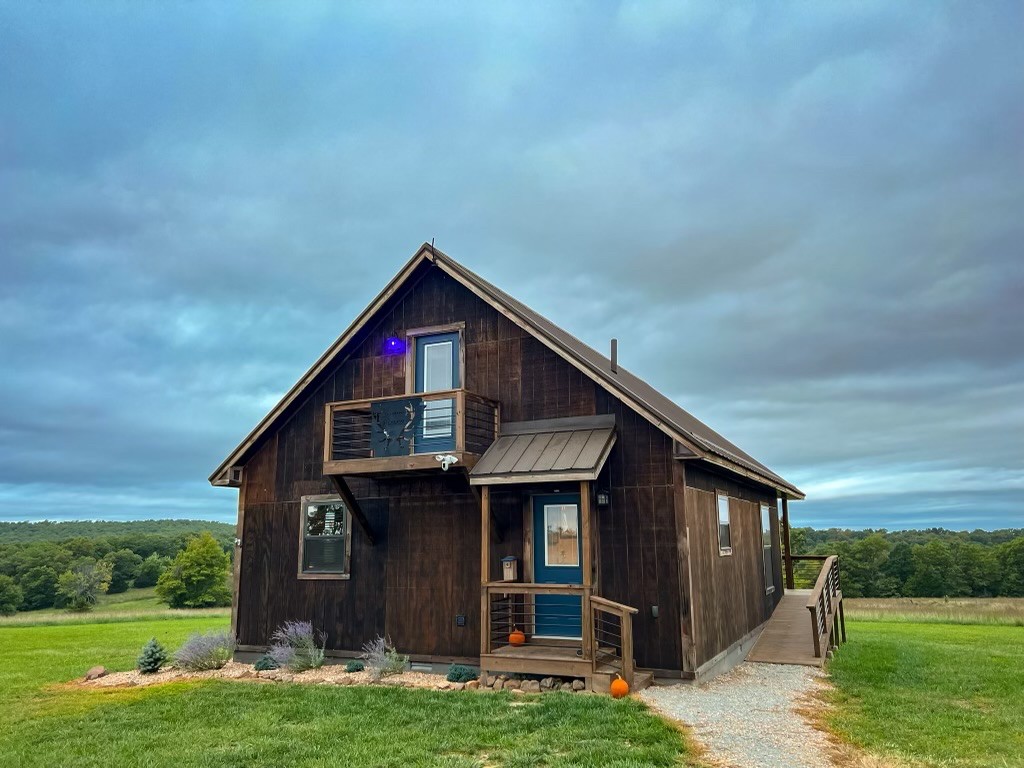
(603, 498)
(394, 346)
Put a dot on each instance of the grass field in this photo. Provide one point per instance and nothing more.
(933, 694)
(218, 723)
(126, 606)
(943, 610)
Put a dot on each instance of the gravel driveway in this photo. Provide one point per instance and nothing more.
(746, 718)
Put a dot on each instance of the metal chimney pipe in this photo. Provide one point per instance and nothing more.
(615, 355)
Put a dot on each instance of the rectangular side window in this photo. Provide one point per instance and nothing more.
(766, 548)
(324, 538)
(724, 526)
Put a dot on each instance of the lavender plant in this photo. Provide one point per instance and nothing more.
(382, 659)
(298, 646)
(202, 652)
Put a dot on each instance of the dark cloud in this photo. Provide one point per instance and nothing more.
(802, 222)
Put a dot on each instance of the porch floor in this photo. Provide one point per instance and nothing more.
(557, 661)
(788, 639)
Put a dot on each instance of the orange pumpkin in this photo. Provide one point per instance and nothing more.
(516, 637)
(619, 687)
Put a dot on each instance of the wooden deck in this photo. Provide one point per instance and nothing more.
(788, 638)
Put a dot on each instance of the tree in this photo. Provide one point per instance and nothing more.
(197, 578)
(124, 565)
(899, 567)
(10, 596)
(150, 570)
(1011, 561)
(936, 572)
(78, 589)
(39, 587)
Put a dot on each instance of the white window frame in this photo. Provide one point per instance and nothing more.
(767, 550)
(346, 537)
(719, 496)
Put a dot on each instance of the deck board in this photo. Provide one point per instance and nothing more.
(787, 639)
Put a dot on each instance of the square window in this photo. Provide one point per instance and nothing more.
(325, 537)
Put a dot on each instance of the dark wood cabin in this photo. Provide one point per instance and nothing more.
(458, 474)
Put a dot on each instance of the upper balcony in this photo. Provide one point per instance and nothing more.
(407, 432)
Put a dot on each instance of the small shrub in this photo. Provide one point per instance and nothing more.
(153, 657)
(209, 651)
(265, 663)
(460, 673)
(355, 665)
(382, 658)
(297, 646)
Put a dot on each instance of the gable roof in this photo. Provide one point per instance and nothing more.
(700, 440)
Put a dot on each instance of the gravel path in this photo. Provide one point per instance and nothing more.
(746, 718)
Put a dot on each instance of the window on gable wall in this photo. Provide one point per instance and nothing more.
(724, 526)
(325, 542)
(766, 548)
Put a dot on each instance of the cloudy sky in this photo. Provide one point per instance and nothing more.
(804, 222)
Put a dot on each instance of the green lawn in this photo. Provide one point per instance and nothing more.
(126, 606)
(218, 723)
(939, 694)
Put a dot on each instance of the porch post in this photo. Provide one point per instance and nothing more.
(787, 555)
(485, 569)
(588, 570)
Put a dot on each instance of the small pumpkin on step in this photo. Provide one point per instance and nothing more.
(619, 687)
(516, 637)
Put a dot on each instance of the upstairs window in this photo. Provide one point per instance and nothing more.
(325, 538)
(766, 548)
(724, 526)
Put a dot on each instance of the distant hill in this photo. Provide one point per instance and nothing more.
(47, 530)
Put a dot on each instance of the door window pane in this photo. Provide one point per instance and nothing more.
(437, 366)
(562, 535)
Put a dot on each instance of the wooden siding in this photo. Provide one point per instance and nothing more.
(424, 569)
(727, 592)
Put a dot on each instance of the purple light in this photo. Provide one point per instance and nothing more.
(394, 346)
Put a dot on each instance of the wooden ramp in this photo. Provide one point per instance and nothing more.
(789, 636)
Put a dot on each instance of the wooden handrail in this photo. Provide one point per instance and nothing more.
(824, 604)
(521, 588)
(446, 394)
(613, 606)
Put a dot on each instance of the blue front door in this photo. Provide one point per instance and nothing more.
(437, 370)
(558, 560)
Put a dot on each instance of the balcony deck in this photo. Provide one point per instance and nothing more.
(406, 433)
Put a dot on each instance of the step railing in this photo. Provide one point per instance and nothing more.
(825, 605)
(605, 627)
(612, 625)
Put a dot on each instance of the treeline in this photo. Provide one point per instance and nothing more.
(51, 530)
(39, 568)
(927, 563)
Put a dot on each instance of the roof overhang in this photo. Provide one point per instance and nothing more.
(553, 450)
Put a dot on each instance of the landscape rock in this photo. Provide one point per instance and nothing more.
(531, 686)
(459, 686)
(491, 680)
(444, 686)
(547, 683)
(498, 684)
(566, 687)
(578, 685)
(95, 673)
(473, 685)
(511, 685)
